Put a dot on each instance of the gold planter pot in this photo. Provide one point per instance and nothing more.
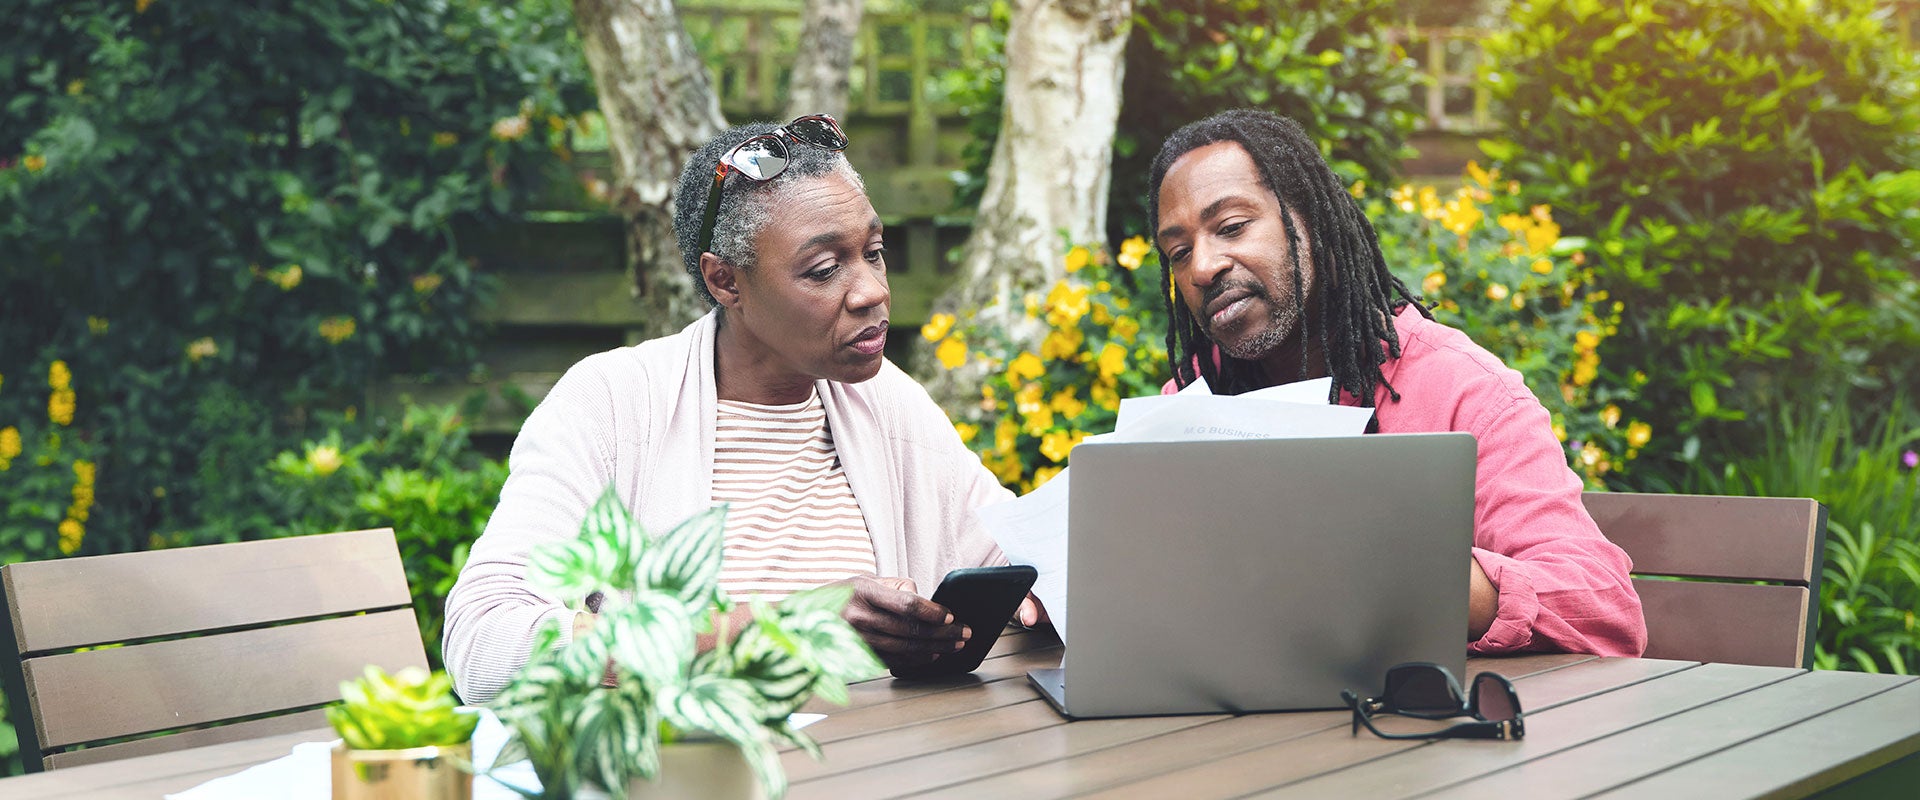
(419, 773)
(701, 770)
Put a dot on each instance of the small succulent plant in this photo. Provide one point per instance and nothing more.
(407, 709)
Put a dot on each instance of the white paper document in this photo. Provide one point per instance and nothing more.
(1033, 529)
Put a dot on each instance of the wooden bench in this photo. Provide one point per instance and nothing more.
(1753, 568)
(113, 656)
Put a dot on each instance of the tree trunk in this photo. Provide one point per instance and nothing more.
(825, 58)
(659, 106)
(1050, 167)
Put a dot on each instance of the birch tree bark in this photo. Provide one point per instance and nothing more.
(1051, 165)
(659, 106)
(825, 58)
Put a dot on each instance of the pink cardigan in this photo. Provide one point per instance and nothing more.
(1563, 586)
(642, 418)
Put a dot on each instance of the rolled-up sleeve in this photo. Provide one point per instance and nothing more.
(1562, 585)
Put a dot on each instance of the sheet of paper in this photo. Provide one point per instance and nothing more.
(1032, 529)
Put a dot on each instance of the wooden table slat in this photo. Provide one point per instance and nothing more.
(1603, 764)
(1556, 729)
(158, 774)
(1196, 745)
(1798, 760)
(1334, 747)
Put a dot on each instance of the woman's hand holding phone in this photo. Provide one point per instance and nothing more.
(903, 628)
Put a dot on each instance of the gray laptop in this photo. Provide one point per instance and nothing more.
(1261, 575)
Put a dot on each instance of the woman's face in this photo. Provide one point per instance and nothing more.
(816, 302)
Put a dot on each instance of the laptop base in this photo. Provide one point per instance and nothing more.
(1052, 685)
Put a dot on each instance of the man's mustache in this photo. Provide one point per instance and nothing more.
(1214, 292)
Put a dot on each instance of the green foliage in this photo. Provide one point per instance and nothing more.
(410, 708)
(1106, 330)
(1749, 170)
(221, 214)
(659, 593)
(419, 476)
(1863, 471)
(1497, 269)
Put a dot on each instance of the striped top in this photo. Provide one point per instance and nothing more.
(794, 523)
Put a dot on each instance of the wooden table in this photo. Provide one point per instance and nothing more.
(1596, 727)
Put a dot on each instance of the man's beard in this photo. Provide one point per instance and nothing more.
(1282, 318)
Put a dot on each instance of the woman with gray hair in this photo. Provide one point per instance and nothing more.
(837, 465)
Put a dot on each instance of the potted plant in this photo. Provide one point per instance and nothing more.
(402, 736)
(668, 702)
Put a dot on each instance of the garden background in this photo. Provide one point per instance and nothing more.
(270, 270)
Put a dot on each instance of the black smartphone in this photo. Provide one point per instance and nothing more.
(984, 599)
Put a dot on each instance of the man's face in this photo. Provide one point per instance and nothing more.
(1222, 234)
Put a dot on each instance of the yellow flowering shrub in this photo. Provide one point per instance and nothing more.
(49, 471)
(1101, 344)
(1496, 267)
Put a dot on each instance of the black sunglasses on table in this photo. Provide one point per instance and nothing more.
(1428, 691)
(762, 158)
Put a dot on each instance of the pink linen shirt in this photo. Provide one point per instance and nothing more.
(1562, 585)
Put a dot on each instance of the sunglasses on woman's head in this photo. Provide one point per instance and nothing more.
(1428, 691)
(763, 157)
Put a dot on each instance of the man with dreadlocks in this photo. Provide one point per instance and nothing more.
(1279, 278)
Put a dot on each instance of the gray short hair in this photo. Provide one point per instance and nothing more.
(743, 203)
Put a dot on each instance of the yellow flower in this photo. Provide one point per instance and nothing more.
(952, 353)
(1638, 434)
(83, 474)
(203, 347)
(1030, 399)
(1403, 198)
(325, 459)
(337, 329)
(58, 376)
(1496, 291)
(34, 163)
(1066, 403)
(1519, 300)
(1542, 237)
(937, 327)
(288, 277)
(1433, 283)
(1481, 176)
(1062, 344)
(1459, 215)
(1133, 252)
(966, 430)
(1078, 258)
(75, 87)
(1007, 468)
(1044, 474)
(1542, 265)
(1429, 202)
(425, 284)
(97, 325)
(1125, 328)
(1586, 368)
(1100, 315)
(445, 139)
(1056, 445)
(508, 129)
(1038, 422)
(1559, 430)
(1067, 303)
(1113, 360)
(60, 407)
(141, 6)
(9, 446)
(1105, 394)
(1585, 341)
(1610, 416)
(71, 534)
(1005, 435)
(1025, 367)
(1514, 223)
(1358, 189)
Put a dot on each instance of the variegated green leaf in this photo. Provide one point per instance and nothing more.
(786, 732)
(724, 707)
(610, 522)
(830, 598)
(652, 637)
(574, 568)
(831, 689)
(686, 561)
(765, 762)
(781, 681)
